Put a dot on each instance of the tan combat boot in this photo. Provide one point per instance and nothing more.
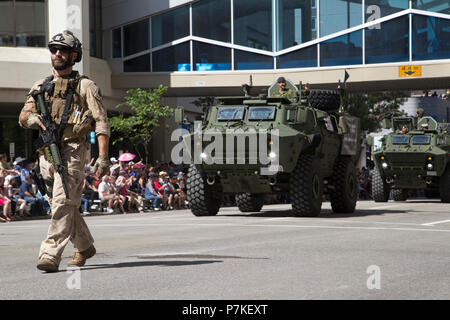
(79, 258)
(47, 265)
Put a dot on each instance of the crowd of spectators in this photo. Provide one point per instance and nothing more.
(135, 187)
(128, 187)
(445, 96)
(18, 194)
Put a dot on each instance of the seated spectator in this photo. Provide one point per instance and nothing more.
(44, 202)
(151, 193)
(11, 193)
(141, 183)
(6, 204)
(123, 184)
(114, 170)
(26, 193)
(106, 194)
(115, 190)
(183, 196)
(90, 190)
(84, 205)
(166, 192)
(4, 163)
(175, 198)
(159, 184)
(26, 170)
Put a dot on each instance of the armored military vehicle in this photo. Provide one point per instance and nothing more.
(415, 155)
(303, 145)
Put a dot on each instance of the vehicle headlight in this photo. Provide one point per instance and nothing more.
(384, 165)
(430, 166)
(203, 155)
(272, 155)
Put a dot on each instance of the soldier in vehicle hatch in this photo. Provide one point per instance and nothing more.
(282, 90)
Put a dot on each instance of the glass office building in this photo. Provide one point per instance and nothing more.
(218, 35)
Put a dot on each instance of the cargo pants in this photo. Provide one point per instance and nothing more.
(66, 223)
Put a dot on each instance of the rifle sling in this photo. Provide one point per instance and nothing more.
(65, 116)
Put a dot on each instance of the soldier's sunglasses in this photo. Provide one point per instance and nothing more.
(54, 49)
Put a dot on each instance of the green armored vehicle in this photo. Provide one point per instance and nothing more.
(413, 156)
(291, 146)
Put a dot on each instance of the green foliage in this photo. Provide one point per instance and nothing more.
(373, 107)
(204, 103)
(148, 114)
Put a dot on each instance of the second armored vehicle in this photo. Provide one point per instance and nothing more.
(413, 156)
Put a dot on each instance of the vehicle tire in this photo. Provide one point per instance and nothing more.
(444, 185)
(380, 189)
(306, 187)
(344, 195)
(326, 100)
(203, 201)
(432, 193)
(248, 202)
(399, 194)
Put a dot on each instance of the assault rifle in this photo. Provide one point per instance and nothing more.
(49, 139)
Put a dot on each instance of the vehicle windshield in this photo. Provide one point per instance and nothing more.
(261, 113)
(400, 139)
(421, 140)
(230, 113)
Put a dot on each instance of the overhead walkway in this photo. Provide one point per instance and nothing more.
(427, 75)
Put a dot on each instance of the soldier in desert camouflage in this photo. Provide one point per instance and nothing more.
(76, 107)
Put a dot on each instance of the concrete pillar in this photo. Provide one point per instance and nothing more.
(72, 15)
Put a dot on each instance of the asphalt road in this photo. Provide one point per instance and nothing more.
(394, 250)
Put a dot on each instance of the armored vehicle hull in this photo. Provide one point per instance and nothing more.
(252, 146)
(418, 159)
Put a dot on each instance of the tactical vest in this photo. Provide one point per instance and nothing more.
(68, 109)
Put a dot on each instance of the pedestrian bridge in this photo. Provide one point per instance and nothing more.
(430, 75)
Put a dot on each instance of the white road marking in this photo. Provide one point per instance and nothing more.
(271, 226)
(382, 207)
(435, 222)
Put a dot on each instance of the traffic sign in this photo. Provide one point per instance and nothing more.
(409, 71)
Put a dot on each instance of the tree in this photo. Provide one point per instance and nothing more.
(204, 103)
(148, 114)
(373, 107)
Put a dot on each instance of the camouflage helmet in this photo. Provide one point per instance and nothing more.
(67, 39)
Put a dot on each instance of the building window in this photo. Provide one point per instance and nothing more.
(117, 43)
(95, 28)
(212, 19)
(430, 38)
(139, 64)
(253, 24)
(209, 57)
(244, 60)
(296, 22)
(303, 58)
(23, 23)
(389, 42)
(343, 50)
(338, 15)
(170, 26)
(442, 6)
(175, 58)
(136, 37)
